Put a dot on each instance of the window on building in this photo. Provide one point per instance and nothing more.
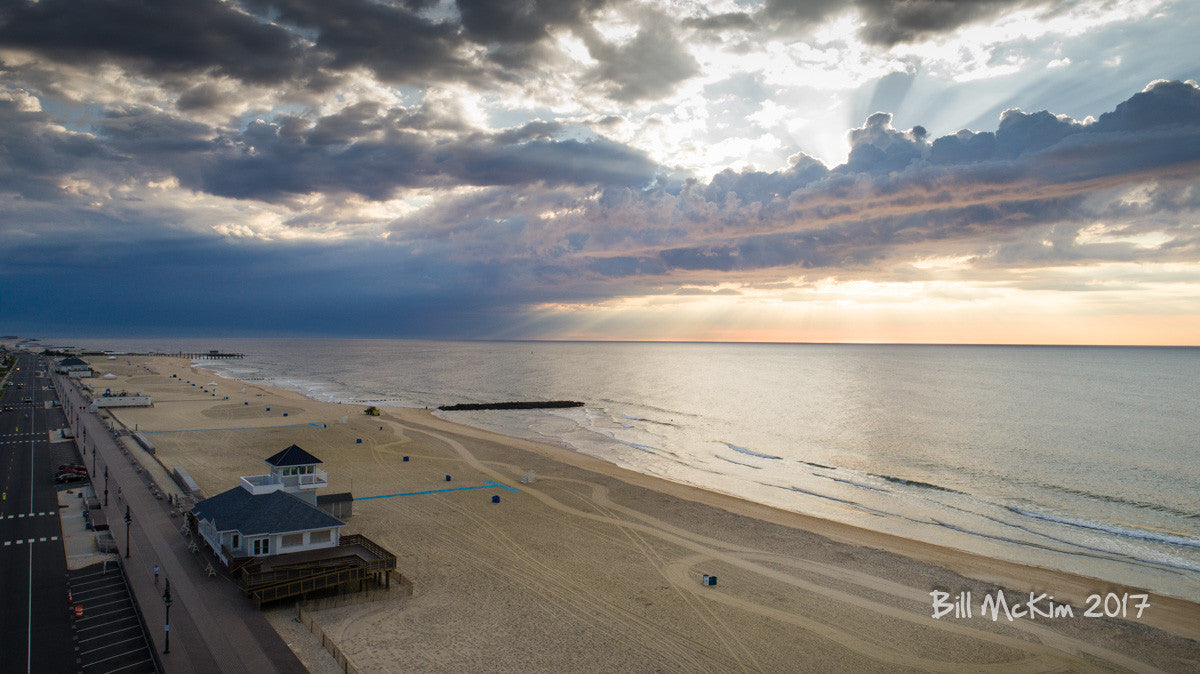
(236, 542)
(292, 540)
(262, 546)
(320, 536)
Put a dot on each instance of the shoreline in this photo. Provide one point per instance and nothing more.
(1180, 616)
(1078, 517)
(593, 495)
(1183, 614)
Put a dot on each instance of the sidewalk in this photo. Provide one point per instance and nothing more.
(213, 626)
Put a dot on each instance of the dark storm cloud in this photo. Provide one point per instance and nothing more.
(556, 218)
(890, 22)
(156, 38)
(649, 66)
(521, 21)
(395, 42)
(256, 41)
(271, 161)
(721, 22)
(261, 290)
(35, 153)
(363, 149)
(309, 43)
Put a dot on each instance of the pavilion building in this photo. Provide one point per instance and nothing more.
(270, 531)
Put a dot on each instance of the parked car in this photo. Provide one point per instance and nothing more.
(62, 478)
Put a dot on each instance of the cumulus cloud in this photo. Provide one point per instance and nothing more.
(272, 160)
(38, 153)
(888, 22)
(993, 196)
(647, 66)
(521, 21)
(531, 152)
(194, 37)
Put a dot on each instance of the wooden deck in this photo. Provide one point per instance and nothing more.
(350, 566)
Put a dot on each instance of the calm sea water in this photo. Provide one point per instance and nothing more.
(1077, 458)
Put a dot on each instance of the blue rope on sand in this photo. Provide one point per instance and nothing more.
(489, 485)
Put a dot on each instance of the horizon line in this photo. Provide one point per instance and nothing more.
(617, 341)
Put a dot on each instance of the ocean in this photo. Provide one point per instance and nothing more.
(1085, 459)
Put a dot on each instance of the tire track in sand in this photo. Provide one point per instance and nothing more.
(1041, 657)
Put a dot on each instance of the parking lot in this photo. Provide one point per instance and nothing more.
(109, 636)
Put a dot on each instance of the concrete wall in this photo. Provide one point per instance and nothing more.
(182, 477)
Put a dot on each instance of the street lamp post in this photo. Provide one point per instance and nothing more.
(128, 519)
(106, 486)
(167, 620)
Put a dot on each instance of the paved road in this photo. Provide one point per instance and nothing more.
(35, 624)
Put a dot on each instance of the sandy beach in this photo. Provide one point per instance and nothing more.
(591, 567)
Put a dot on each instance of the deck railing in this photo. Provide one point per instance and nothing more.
(299, 578)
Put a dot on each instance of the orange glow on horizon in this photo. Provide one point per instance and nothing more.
(921, 312)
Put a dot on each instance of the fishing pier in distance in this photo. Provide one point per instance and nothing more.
(206, 355)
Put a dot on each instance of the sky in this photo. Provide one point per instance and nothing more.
(994, 171)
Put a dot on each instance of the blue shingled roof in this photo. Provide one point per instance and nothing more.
(273, 513)
(293, 456)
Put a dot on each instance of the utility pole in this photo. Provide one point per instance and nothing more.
(106, 486)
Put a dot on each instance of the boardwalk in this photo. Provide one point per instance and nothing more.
(213, 627)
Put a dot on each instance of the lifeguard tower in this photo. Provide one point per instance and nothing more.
(292, 470)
